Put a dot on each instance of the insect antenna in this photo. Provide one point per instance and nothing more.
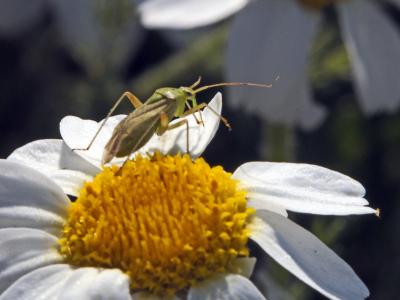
(206, 87)
(196, 83)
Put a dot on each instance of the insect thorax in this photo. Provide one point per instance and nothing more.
(178, 95)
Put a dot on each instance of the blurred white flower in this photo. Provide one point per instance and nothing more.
(272, 38)
(53, 248)
(98, 33)
(185, 14)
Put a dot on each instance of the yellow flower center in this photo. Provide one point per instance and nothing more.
(166, 221)
(317, 4)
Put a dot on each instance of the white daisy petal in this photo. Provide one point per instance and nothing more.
(174, 141)
(62, 282)
(306, 256)
(70, 181)
(373, 42)
(29, 198)
(41, 284)
(77, 134)
(96, 284)
(56, 160)
(303, 188)
(229, 286)
(186, 14)
(261, 204)
(16, 16)
(30, 217)
(272, 38)
(49, 155)
(23, 250)
(244, 266)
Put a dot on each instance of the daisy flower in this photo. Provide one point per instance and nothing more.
(166, 226)
(274, 37)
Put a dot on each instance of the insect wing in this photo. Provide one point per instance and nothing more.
(135, 130)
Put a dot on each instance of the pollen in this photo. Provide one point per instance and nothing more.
(165, 221)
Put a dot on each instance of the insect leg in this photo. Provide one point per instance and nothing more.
(164, 126)
(201, 106)
(199, 122)
(131, 97)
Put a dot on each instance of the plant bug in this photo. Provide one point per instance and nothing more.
(154, 116)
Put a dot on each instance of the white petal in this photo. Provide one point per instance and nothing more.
(261, 204)
(30, 199)
(50, 155)
(306, 256)
(41, 284)
(174, 141)
(303, 188)
(77, 134)
(96, 284)
(62, 282)
(30, 217)
(55, 159)
(16, 16)
(100, 39)
(229, 286)
(272, 38)
(244, 266)
(186, 14)
(70, 181)
(373, 42)
(23, 250)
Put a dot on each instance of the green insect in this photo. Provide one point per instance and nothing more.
(154, 116)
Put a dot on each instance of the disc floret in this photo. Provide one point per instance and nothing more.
(166, 221)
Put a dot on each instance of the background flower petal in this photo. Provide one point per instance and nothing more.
(395, 2)
(16, 16)
(227, 286)
(56, 160)
(373, 43)
(306, 256)
(104, 35)
(174, 141)
(303, 188)
(77, 134)
(23, 250)
(272, 38)
(186, 14)
(30, 199)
